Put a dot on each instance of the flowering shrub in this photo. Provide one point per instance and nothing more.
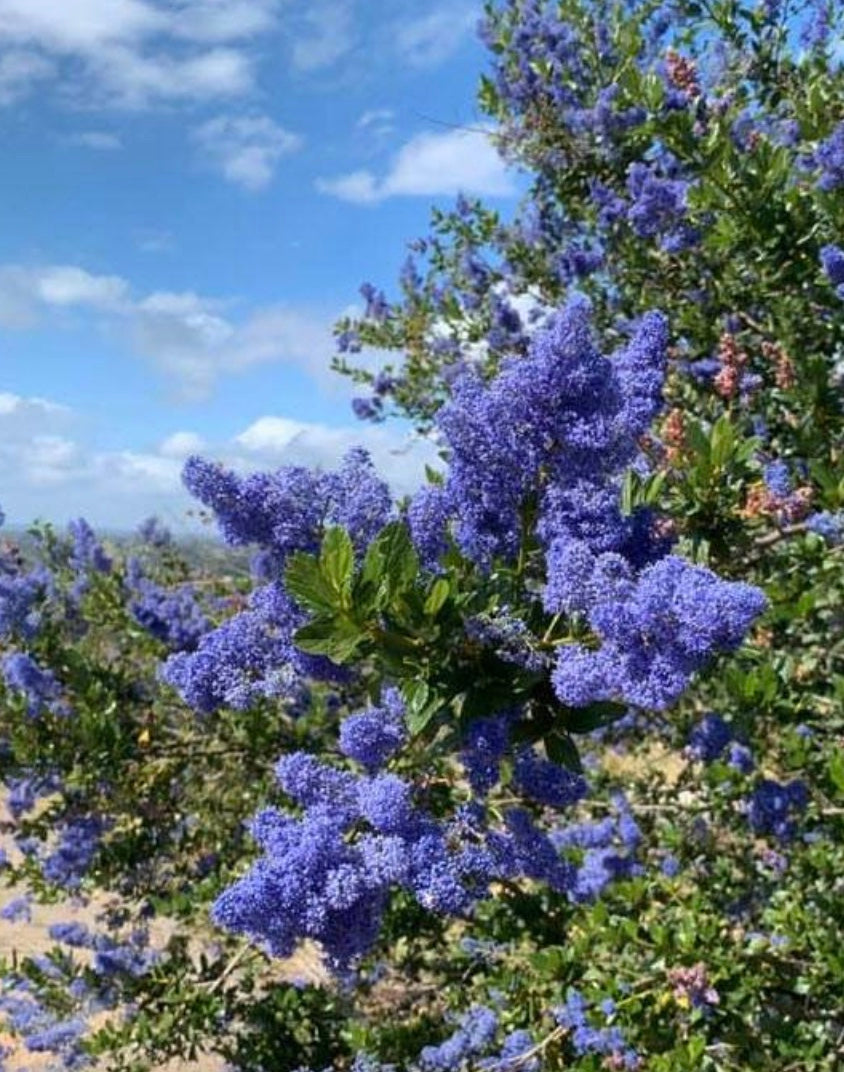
(544, 762)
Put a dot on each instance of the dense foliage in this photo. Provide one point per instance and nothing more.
(542, 767)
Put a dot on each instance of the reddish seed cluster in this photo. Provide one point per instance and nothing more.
(674, 434)
(733, 362)
(691, 986)
(785, 375)
(682, 73)
(762, 502)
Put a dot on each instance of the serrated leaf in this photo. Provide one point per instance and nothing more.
(391, 563)
(336, 637)
(304, 580)
(337, 560)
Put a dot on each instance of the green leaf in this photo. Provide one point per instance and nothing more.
(304, 580)
(420, 705)
(836, 769)
(561, 749)
(439, 593)
(586, 719)
(391, 563)
(697, 440)
(337, 560)
(337, 637)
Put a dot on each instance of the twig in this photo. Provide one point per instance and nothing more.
(771, 538)
(523, 1058)
(236, 960)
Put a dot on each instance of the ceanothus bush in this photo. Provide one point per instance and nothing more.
(541, 767)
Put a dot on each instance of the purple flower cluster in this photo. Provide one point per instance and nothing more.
(827, 525)
(21, 595)
(540, 38)
(832, 260)
(773, 808)
(154, 533)
(559, 426)
(550, 66)
(286, 511)
(86, 551)
(657, 629)
(40, 688)
(607, 850)
(249, 657)
(77, 843)
(327, 875)
(828, 157)
(712, 737)
(475, 1036)
(658, 205)
(41, 1031)
(171, 615)
(709, 738)
(484, 746)
(252, 655)
(509, 637)
(586, 1038)
(474, 1043)
(372, 736)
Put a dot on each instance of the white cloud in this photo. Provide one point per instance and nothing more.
(374, 128)
(130, 79)
(272, 440)
(359, 187)
(69, 285)
(15, 406)
(100, 140)
(224, 20)
(431, 39)
(131, 52)
(271, 434)
(181, 444)
(430, 165)
(49, 472)
(245, 149)
(376, 119)
(24, 289)
(193, 340)
(20, 70)
(325, 34)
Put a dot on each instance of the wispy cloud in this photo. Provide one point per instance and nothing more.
(324, 34)
(151, 240)
(131, 52)
(50, 472)
(25, 291)
(375, 125)
(99, 140)
(430, 165)
(245, 149)
(192, 339)
(431, 39)
(20, 71)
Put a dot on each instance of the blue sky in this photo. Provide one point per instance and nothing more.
(192, 192)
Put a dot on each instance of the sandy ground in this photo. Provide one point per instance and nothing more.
(19, 939)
